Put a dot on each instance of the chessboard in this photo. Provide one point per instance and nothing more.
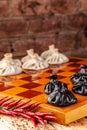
(31, 86)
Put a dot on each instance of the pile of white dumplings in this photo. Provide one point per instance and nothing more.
(32, 61)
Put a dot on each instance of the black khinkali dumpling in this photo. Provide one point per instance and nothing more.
(81, 75)
(49, 87)
(77, 77)
(61, 98)
(80, 88)
(54, 84)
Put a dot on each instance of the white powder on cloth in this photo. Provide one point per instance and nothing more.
(15, 123)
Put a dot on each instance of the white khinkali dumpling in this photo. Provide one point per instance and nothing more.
(56, 58)
(10, 66)
(53, 56)
(49, 52)
(30, 52)
(35, 63)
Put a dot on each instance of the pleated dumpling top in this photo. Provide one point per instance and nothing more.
(30, 52)
(35, 62)
(10, 66)
(53, 56)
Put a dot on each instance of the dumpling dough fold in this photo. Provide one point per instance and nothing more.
(58, 98)
(35, 63)
(30, 52)
(10, 66)
(53, 56)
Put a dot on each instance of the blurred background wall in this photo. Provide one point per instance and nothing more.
(26, 24)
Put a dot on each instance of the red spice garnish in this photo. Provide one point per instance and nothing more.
(33, 120)
(13, 107)
(43, 113)
(13, 104)
(5, 99)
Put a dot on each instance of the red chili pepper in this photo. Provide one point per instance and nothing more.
(29, 106)
(5, 100)
(12, 113)
(34, 105)
(24, 115)
(20, 104)
(26, 105)
(6, 103)
(1, 112)
(33, 121)
(13, 104)
(43, 113)
(30, 113)
(48, 117)
(18, 110)
(4, 111)
(40, 119)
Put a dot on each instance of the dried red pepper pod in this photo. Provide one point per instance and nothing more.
(30, 113)
(23, 105)
(33, 120)
(43, 113)
(40, 120)
(7, 103)
(13, 104)
(4, 111)
(49, 117)
(20, 104)
(5, 100)
(19, 110)
(26, 106)
(24, 115)
(12, 113)
(34, 106)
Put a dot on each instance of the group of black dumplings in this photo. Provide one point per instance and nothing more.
(79, 81)
(58, 93)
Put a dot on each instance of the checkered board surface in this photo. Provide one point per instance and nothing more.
(31, 86)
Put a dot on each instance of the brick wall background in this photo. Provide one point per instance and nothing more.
(26, 24)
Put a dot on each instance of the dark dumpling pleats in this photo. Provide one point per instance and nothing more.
(54, 85)
(58, 93)
(50, 86)
(79, 80)
(78, 77)
(80, 88)
(61, 99)
(81, 75)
